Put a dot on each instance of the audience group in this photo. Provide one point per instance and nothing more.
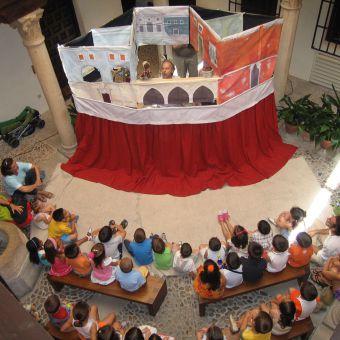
(241, 256)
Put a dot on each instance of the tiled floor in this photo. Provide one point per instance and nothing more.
(178, 315)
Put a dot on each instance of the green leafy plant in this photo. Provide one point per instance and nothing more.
(73, 113)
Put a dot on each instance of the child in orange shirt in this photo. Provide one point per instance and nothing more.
(300, 252)
(80, 263)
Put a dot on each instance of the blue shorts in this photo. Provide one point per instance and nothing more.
(66, 238)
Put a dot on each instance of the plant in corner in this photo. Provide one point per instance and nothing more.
(73, 113)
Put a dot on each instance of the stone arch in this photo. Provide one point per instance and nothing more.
(203, 95)
(91, 74)
(178, 96)
(153, 96)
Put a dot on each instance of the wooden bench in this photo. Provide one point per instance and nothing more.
(303, 328)
(152, 294)
(56, 334)
(268, 279)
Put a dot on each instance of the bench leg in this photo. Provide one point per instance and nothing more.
(55, 285)
(153, 309)
(201, 309)
(307, 335)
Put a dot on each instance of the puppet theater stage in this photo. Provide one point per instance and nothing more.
(178, 136)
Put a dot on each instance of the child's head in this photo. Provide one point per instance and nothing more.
(297, 215)
(139, 235)
(214, 244)
(255, 250)
(214, 333)
(51, 250)
(98, 254)
(240, 237)
(72, 251)
(186, 250)
(280, 243)
(58, 214)
(233, 261)
(263, 227)
(263, 323)
(134, 333)
(287, 313)
(33, 245)
(158, 245)
(105, 234)
(126, 265)
(52, 304)
(304, 240)
(107, 333)
(80, 313)
(154, 336)
(37, 206)
(308, 291)
(211, 274)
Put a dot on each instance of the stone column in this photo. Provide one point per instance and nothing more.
(30, 31)
(290, 10)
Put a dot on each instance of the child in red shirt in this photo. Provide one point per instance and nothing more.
(300, 252)
(56, 311)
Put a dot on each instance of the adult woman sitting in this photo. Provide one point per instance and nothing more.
(209, 282)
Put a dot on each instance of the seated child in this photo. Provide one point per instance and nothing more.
(59, 226)
(37, 253)
(103, 271)
(305, 300)
(253, 266)
(54, 252)
(56, 311)
(129, 278)
(141, 248)
(114, 332)
(263, 235)
(288, 220)
(184, 260)
(210, 333)
(258, 326)
(215, 251)
(42, 214)
(301, 251)
(163, 253)
(112, 237)
(233, 271)
(80, 263)
(85, 320)
(278, 257)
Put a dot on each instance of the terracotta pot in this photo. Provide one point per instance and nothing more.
(291, 128)
(305, 136)
(326, 144)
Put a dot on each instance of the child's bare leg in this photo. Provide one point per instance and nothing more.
(82, 240)
(94, 313)
(109, 319)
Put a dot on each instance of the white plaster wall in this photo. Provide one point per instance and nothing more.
(19, 86)
(214, 4)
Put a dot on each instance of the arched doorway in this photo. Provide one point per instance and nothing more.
(203, 95)
(178, 96)
(152, 97)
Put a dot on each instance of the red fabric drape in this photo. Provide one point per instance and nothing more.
(184, 159)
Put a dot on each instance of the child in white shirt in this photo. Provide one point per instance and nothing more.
(184, 260)
(278, 257)
(216, 251)
(233, 270)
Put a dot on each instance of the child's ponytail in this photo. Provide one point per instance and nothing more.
(33, 246)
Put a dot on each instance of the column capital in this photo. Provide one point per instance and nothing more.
(29, 28)
(291, 4)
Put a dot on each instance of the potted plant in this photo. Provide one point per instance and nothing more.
(73, 113)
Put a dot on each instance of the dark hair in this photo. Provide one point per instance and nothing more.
(134, 333)
(58, 214)
(6, 167)
(52, 304)
(186, 250)
(233, 261)
(211, 274)
(98, 251)
(304, 240)
(263, 323)
(255, 250)
(214, 244)
(336, 226)
(105, 234)
(263, 227)
(240, 237)
(280, 243)
(287, 313)
(297, 214)
(33, 245)
(154, 336)
(158, 245)
(214, 333)
(308, 291)
(80, 313)
(50, 251)
(71, 251)
(107, 332)
(139, 235)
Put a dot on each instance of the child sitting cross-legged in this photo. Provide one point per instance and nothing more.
(263, 235)
(253, 266)
(215, 251)
(129, 278)
(278, 257)
(57, 312)
(42, 214)
(233, 270)
(59, 226)
(184, 259)
(80, 263)
(301, 251)
(162, 253)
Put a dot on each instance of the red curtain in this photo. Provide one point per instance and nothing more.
(183, 159)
